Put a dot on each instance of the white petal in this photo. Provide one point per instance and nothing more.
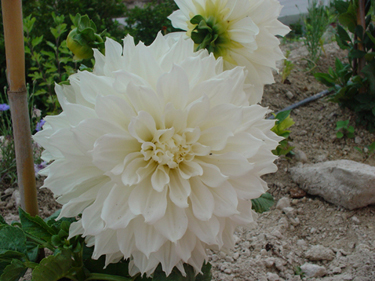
(173, 224)
(179, 189)
(142, 127)
(148, 202)
(159, 179)
(202, 200)
(225, 200)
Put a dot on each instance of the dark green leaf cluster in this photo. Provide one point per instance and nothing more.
(22, 246)
(353, 82)
(145, 23)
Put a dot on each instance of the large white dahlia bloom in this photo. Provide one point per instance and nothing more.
(241, 31)
(159, 151)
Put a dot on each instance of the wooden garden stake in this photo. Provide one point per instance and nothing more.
(17, 94)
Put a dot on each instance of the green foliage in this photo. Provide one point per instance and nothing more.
(144, 23)
(353, 82)
(367, 151)
(298, 271)
(282, 124)
(287, 68)
(45, 31)
(316, 23)
(50, 63)
(71, 259)
(83, 38)
(343, 129)
(263, 203)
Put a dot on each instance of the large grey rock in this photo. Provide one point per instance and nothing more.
(342, 182)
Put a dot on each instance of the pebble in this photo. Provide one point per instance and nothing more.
(357, 140)
(283, 203)
(290, 212)
(300, 155)
(336, 270)
(273, 277)
(17, 197)
(289, 95)
(319, 252)
(269, 262)
(9, 191)
(313, 270)
(355, 220)
(296, 192)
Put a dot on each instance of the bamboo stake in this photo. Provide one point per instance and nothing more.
(17, 94)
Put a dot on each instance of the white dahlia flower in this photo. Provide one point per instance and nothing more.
(241, 31)
(159, 151)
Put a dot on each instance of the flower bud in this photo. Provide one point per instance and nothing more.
(79, 46)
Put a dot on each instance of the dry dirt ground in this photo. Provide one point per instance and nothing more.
(280, 243)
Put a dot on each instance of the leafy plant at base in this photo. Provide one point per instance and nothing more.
(71, 259)
(343, 129)
(263, 203)
(316, 23)
(353, 82)
(287, 68)
(282, 124)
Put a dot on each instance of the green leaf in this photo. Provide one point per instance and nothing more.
(35, 226)
(12, 238)
(325, 78)
(36, 41)
(356, 54)
(9, 255)
(369, 71)
(206, 276)
(196, 19)
(13, 271)
(263, 203)
(2, 221)
(52, 268)
(281, 116)
(339, 135)
(343, 34)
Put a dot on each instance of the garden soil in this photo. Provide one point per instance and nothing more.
(331, 242)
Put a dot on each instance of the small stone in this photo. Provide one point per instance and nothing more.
(296, 192)
(313, 270)
(9, 191)
(336, 270)
(302, 133)
(355, 220)
(289, 212)
(301, 243)
(357, 140)
(283, 203)
(269, 262)
(228, 271)
(319, 252)
(300, 155)
(273, 277)
(276, 234)
(289, 95)
(17, 197)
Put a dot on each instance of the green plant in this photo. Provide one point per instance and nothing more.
(263, 203)
(48, 66)
(343, 129)
(21, 241)
(287, 68)
(298, 271)
(367, 151)
(316, 23)
(353, 82)
(282, 124)
(144, 23)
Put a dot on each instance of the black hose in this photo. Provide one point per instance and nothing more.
(302, 102)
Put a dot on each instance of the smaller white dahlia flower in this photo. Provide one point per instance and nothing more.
(241, 31)
(159, 151)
